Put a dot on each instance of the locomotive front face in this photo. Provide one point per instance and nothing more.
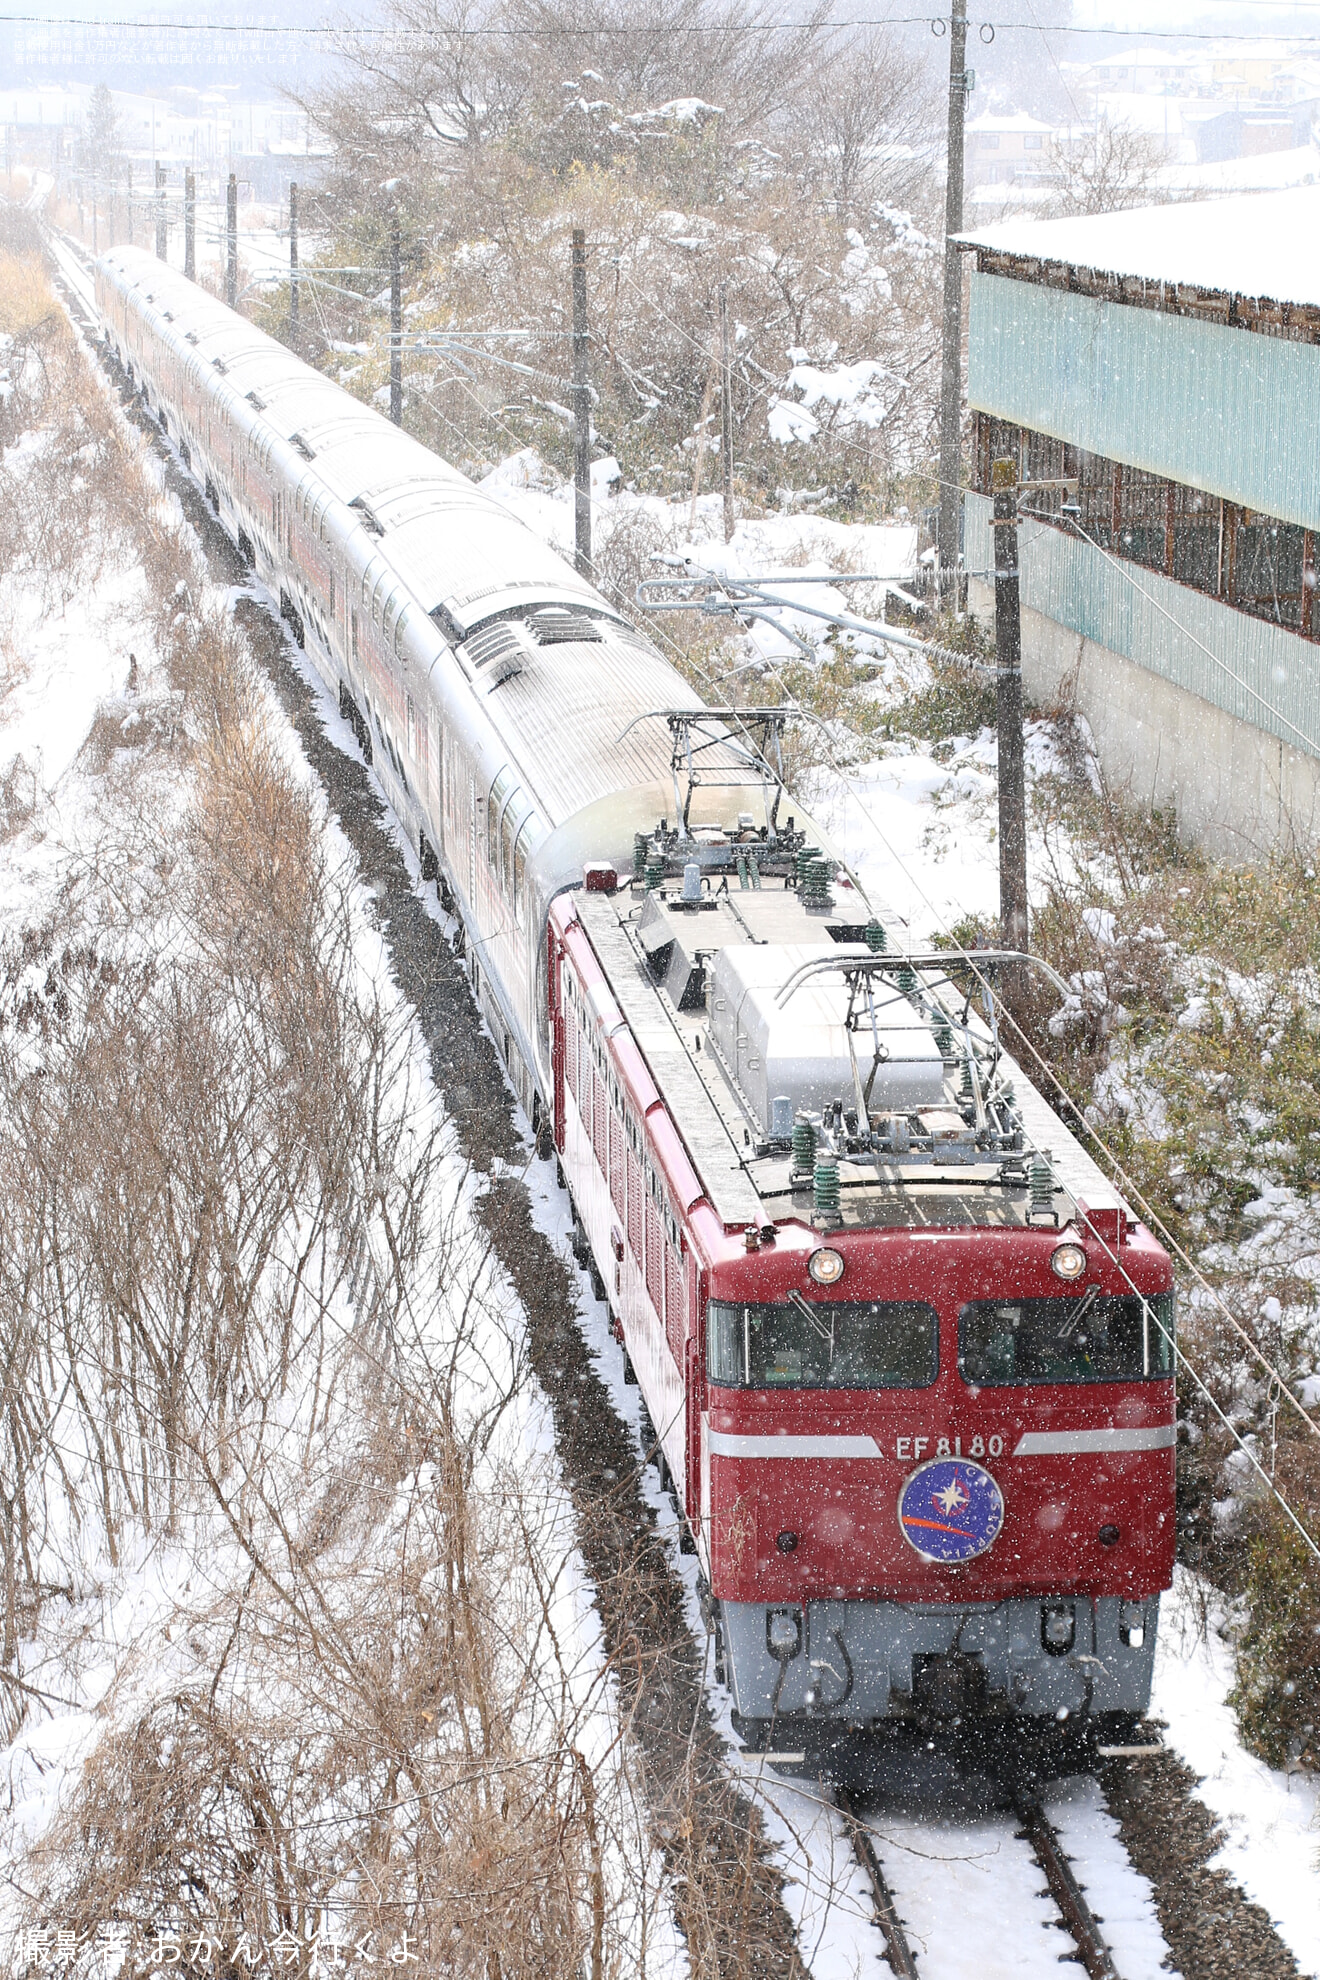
(941, 1483)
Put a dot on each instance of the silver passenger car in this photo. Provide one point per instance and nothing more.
(509, 709)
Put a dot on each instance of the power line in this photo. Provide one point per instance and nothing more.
(1116, 1170)
(342, 36)
(604, 33)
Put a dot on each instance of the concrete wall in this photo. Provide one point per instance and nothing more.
(1234, 789)
(1193, 704)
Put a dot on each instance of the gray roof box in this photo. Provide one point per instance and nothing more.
(797, 1048)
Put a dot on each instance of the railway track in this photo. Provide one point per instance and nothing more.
(1076, 1915)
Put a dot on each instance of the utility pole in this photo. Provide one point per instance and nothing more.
(293, 263)
(1008, 653)
(726, 411)
(951, 367)
(231, 241)
(162, 242)
(95, 248)
(581, 407)
(396, 322)
(190, 225)
(128, 179)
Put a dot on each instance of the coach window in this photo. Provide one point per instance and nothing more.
(511, 827)
(520, 873)
(500, 792)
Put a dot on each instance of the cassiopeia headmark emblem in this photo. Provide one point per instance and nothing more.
(950, 1510)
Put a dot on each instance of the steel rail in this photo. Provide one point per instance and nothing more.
(1075, 1912)
(1068, 1894)
(897, 1948)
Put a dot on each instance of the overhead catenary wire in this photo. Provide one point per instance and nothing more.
(968, 958)
(1120, 565)
(405, 36)
(1119, 1172)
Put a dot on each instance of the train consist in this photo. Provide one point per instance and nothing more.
(908, 1360)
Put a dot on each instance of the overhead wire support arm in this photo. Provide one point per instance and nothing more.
(749, 599)
(944, 959)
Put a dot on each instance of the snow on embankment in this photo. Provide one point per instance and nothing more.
(300, 1656)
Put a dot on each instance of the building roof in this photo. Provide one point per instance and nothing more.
(1016, 120)
(1259, 245)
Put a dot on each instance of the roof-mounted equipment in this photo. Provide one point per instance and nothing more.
(370, 520)
(557, 625)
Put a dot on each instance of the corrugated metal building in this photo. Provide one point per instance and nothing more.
(1169, 360)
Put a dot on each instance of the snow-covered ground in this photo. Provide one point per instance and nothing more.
(127, 1635)
(1271, 1820)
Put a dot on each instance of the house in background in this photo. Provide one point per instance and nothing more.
(1169, 361)
(1012, 150)
(1252, 132)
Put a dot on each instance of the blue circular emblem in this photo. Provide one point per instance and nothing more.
(950, 1510)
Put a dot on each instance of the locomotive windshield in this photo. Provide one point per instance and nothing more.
(1092, 1337)
(823, 1344)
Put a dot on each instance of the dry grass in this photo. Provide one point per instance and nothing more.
(27, 307)
(235, 1314)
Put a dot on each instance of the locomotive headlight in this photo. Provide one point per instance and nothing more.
(826, 1266)
(1068, 1261)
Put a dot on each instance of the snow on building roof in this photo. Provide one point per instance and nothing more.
(1264, 245)
(1016, 120)
(1266, 171)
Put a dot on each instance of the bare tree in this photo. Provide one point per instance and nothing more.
(1113, 167)
(865, 122)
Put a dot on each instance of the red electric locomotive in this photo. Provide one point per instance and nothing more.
(908, 1360)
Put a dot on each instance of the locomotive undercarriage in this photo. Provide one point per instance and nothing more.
(861, 1663)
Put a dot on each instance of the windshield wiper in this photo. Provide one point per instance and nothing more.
(825, 1334)
(1072, 1321)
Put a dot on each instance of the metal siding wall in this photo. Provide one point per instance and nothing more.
(1230, 411)
(1118, 605)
